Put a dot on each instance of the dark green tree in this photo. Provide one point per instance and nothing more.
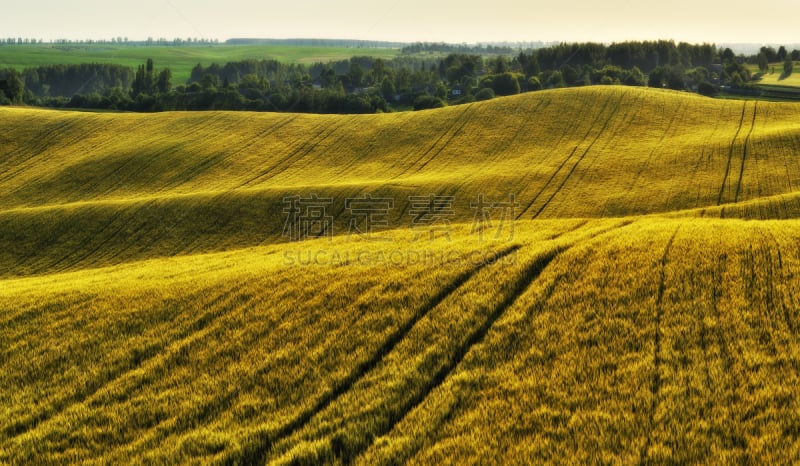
(770, 53)
(500, 65)
(387, 89)
(426, 101)
(149, 77)
(505, 84)
(534, 83)
(356, 75)
(782, 53)
(164, 82)
(728, 56)
(12, 88)
(485, 94)
(633, 77)
(763, 64)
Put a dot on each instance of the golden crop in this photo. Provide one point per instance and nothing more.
(152, 311)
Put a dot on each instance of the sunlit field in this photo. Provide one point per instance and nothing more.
(591, 275)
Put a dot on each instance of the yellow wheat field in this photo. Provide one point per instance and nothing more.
(637, 305)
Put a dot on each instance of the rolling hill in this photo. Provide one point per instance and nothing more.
(634, 301)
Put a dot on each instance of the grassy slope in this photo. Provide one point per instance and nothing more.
(591, 339)
(75, 181)
(777, 78)
(179, 59)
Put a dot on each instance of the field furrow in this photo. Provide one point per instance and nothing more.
(595, 283)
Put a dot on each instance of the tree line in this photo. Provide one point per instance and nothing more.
(365, 84)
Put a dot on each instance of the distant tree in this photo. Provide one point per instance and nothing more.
(387, 89)
(534, 83)
(138, 86)
(505, 84)
(356, 75)
(782, 53)
(441, 91)
(529, 64)
(426, 101)
(149, 77)
(164, 82)
(763, 64)
(252, 87)
(672, 77)
(327, 77)
(12, 88)
(555, 80)
(707, 89)
(737, 81)
(633, 77)
(788, 67)
(378, 71)
(572, 75)
(485, 94)
(210, 81)
(500, 65)
(728, 56)
(795, 55)
(770, 53)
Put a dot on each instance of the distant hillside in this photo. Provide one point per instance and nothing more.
(351, 43)
(593, 152)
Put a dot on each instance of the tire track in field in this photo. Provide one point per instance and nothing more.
(510, 143)
(442, 147)
(218, 306)
(582, 156)
(462, 115)
(529, 174)
(528, 276)
(453, 357)
(304, 147)
(87, 253)
(564, 162)
(216, 159)
(744, 152)
(260, 449)
(730, 153)
(41, 145)
(670, 127)
(384, 133)
(791, 321)
(655, 387)
(116, 173)
(216, 407)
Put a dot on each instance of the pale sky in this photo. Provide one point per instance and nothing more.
(406, 20)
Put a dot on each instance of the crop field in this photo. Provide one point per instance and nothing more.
(180, 59)
(778, 78)
(597, 275)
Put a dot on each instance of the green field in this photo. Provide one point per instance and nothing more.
(180, 59)
(775, 86)
(777, 78)
(638, 306)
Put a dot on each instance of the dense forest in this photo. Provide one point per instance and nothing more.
(450, 74)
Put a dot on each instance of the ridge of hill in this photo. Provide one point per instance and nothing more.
(133, 186)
